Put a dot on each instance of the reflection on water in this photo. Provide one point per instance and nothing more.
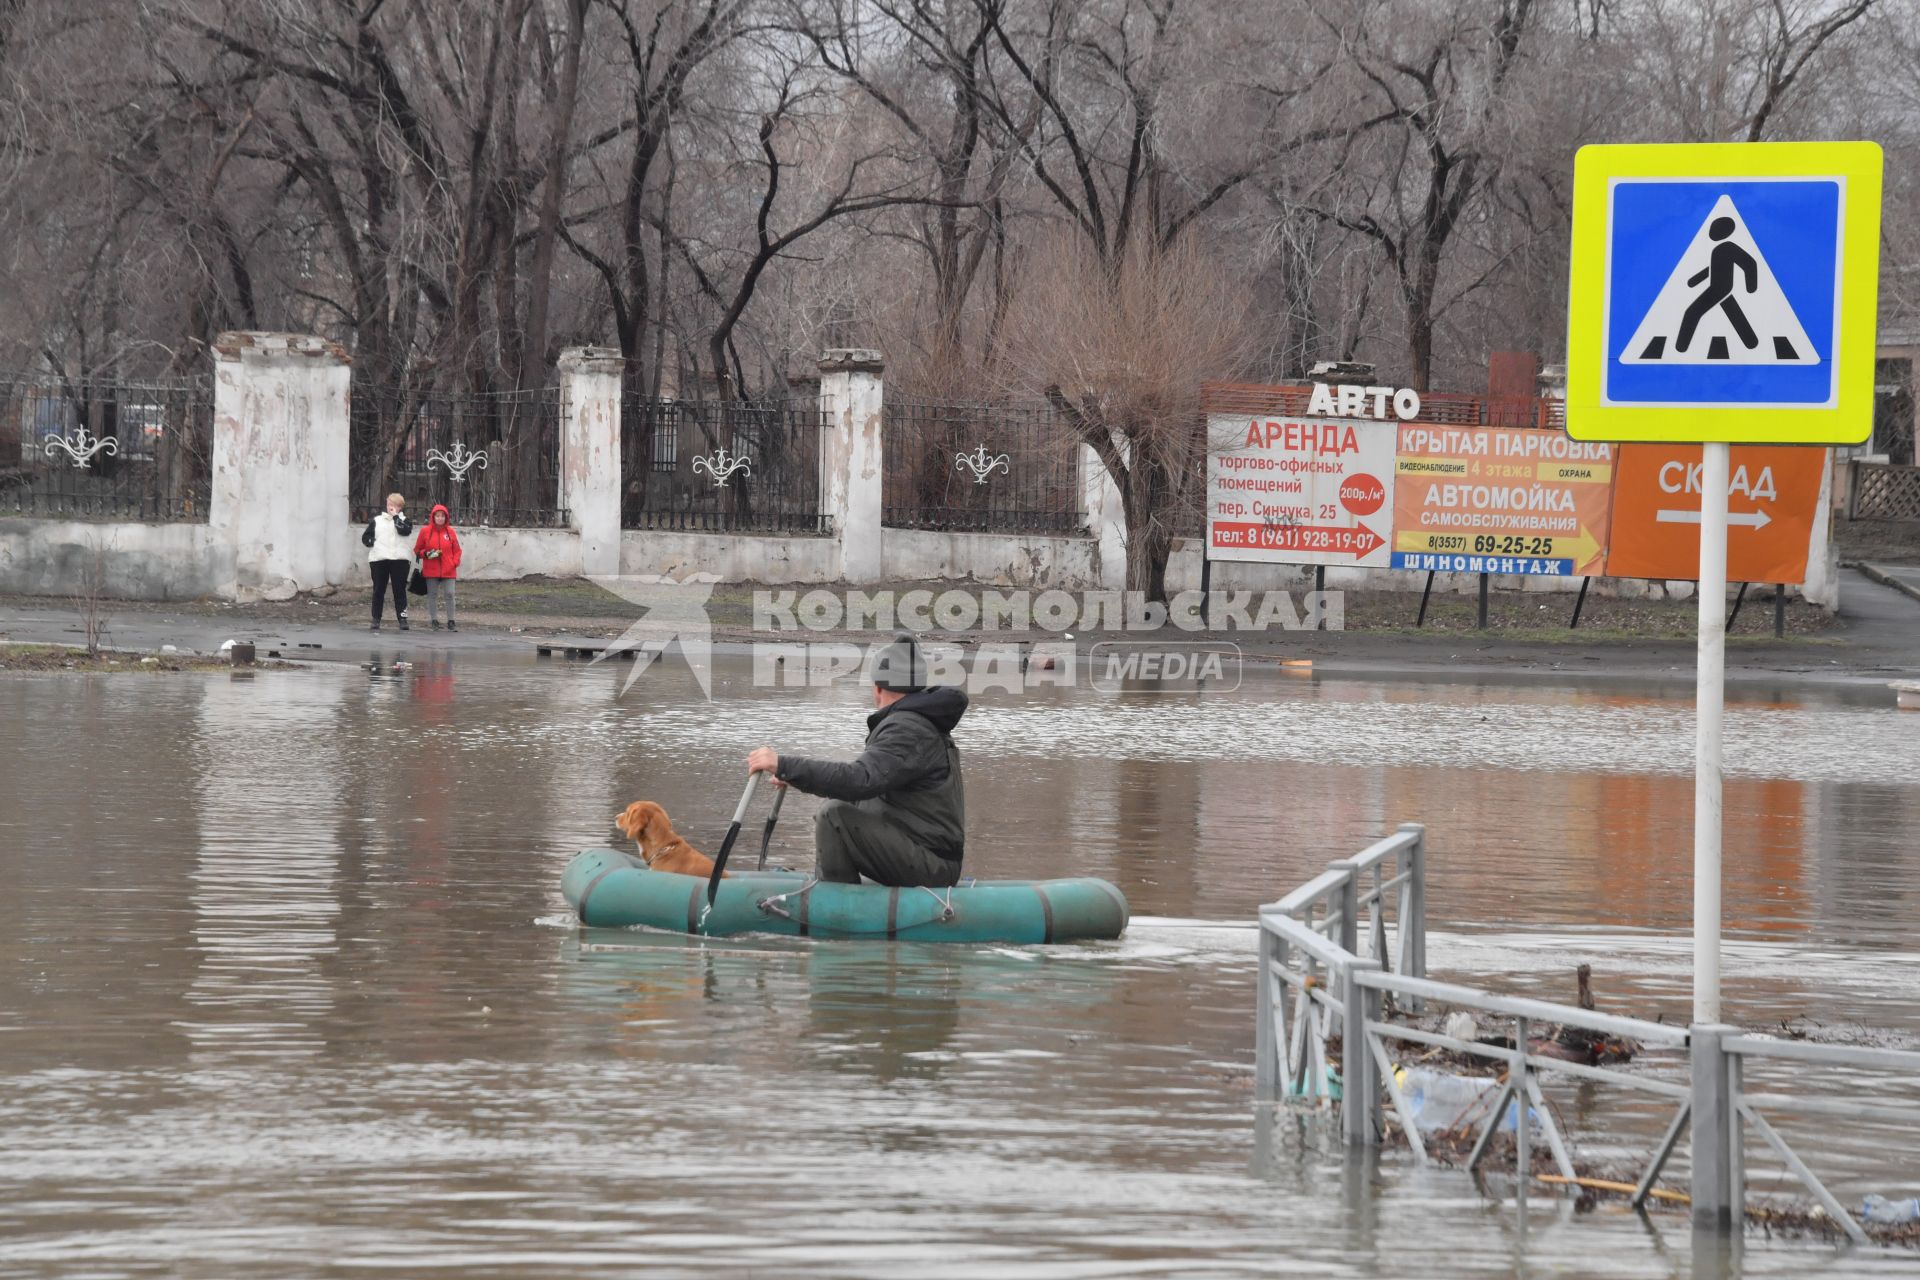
(268, 783)
(286, 985)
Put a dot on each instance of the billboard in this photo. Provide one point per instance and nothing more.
(1773, 498)
(1299, 490)
(1374, 492)
(1532, 502)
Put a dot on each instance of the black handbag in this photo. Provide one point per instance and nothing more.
(417, 584)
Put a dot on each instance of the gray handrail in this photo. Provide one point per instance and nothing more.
(1311, 941)
(1345, 984)
(1659, 1033)
(1389, 846)
(1828, 1055)
(1321, 886)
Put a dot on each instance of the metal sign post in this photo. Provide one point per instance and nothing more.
(1709, 697)
(1721, 293)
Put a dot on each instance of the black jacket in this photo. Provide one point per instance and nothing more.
(910, 770)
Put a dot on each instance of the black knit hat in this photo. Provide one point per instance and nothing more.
(900, 666)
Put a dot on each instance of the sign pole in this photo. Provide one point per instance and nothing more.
(1709, 702)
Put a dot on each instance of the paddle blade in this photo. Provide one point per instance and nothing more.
(720, 861)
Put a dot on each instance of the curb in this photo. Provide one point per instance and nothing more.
(1886, 579)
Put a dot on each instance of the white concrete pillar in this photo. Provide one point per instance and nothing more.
(590, 454)
(279, 502)
(1822, 586)
(850, 459)
(1106, 518)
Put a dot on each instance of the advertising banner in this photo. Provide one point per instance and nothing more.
(1772, 499)
(1496, 500)
(1299, 491)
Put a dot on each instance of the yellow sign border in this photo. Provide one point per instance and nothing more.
(1850, 419)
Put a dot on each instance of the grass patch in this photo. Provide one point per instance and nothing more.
(1584, 637)
(65, 658)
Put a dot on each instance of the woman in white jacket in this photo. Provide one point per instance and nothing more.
(389, 557)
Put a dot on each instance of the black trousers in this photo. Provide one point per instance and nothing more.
(395, 572)
(850, 841)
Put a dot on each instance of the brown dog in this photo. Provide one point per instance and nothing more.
(661, 847)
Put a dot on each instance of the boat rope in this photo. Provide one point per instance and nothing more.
(946, 903)
(771, 906)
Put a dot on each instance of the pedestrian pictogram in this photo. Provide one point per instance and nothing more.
(1722, 303)
(1724, 292)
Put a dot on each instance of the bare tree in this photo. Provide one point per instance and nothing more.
(90, 590)
(1120, 348)
(923, 63)
(1443, 87)
(1726, 70)
(454, 189)
(666, 45)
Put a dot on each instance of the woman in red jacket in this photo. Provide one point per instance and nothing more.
(438, 551)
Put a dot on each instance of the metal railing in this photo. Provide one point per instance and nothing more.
(105, 448)
(713, 467)
(1334, 903)
(1322, 977)
(1321, 921)
(1723, 1108)
(980, 468)
(491, 457)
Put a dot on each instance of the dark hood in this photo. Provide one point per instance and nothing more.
(943, 706)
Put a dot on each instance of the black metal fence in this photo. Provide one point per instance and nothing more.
(105, 449)
(980, 468)
(737, 467)
(492, 458)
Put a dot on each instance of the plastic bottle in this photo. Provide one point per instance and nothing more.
(1440, 1100)
(1890, 1213)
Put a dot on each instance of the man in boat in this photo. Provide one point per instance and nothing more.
(896, 815)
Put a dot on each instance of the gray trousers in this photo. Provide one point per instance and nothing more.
(435, 587)
(850, 842)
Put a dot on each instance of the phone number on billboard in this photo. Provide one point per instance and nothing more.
(1490, 545)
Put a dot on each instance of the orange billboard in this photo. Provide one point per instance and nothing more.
(1499, 500)
(1775, 494)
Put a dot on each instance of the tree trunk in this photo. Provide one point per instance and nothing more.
(533, 352)
(1419, 294)
(1147, 555)
(1144, 500)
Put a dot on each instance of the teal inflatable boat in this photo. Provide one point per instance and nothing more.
(610, 889)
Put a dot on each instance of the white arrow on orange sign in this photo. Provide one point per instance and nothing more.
(1752, 519)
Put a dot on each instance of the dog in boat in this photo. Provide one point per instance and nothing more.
(661, 847)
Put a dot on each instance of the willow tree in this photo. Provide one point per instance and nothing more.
(1119, 346)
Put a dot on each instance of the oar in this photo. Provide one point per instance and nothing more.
(766, 836)
(733, 833)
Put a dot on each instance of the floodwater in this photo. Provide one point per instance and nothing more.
(287, 987)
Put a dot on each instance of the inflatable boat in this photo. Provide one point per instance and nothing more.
(610, 889)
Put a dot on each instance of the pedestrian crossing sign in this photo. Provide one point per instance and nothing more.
(1724, 291)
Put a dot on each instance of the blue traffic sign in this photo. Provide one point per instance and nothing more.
(1722, 293)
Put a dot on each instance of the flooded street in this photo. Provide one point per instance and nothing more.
(287, 986)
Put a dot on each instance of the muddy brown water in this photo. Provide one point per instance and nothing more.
(287, 987)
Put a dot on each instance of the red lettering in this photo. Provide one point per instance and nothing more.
(1302, 437)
